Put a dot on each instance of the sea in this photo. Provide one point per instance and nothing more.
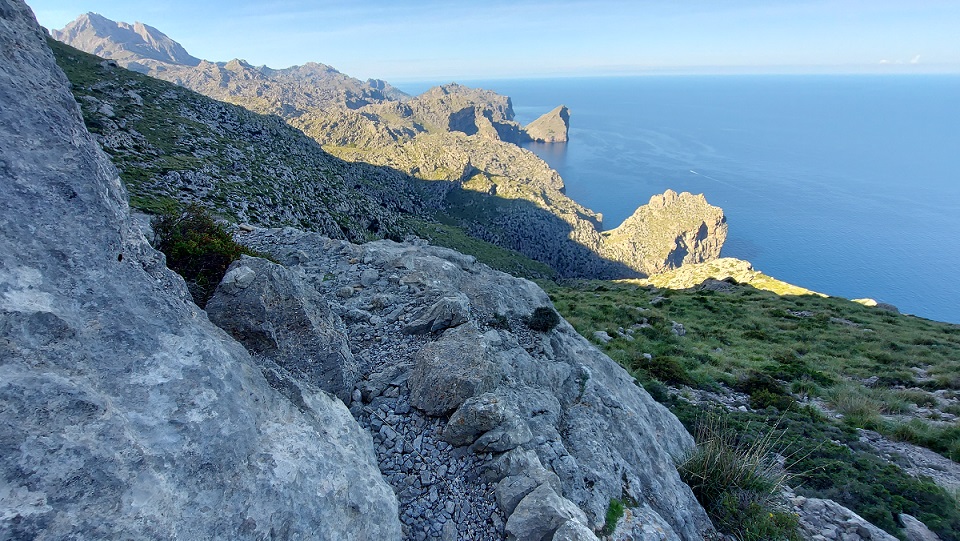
(844, 184)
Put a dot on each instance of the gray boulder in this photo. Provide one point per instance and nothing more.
(818, 516)
(126, 414)
(270, 310)
(475, 416)
(573, 530)
(540, 514)
(445, 313)
(449, 371)
(914, 530)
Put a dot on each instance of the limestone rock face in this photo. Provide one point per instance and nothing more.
(546, 422)
(671, 230)
(552, 127)
(126, 414)
(123, 42)
(273, 313)
(818, 516)
(914, 530)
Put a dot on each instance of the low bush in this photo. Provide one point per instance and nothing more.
(197, 248)
(543, 319)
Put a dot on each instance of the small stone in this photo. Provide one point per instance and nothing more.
(345, 292)
(602, 336)
(369, 277)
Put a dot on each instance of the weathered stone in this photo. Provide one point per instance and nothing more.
(443, 314)
(272, 312)
(449, 371)
(126, 413)
(475, 416)
(820, 517)
(510, 490)
(573, 530)
(540, 513)
(510, 434)
(641, 523)
(914, 530)
(595, 434)
(602, 336)
(369, 277)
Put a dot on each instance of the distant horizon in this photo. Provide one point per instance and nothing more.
(511, 39)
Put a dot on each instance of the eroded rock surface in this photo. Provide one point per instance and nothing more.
(543, 429)
(126, 414)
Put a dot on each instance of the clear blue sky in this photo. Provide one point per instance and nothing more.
(466, 39)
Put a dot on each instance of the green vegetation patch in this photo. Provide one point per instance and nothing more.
(502, 259)
(871, 366)
(197, 248)
(739, 481)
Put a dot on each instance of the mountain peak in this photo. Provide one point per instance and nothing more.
(135, 44)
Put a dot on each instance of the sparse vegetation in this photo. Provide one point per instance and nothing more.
(615, 512)
(739, 482)
(197, 248)
(786, 355)
(543, 319)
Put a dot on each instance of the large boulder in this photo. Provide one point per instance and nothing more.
(271, 311)
(126, 414)
(449, 371)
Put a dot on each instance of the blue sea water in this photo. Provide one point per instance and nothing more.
(847, 185)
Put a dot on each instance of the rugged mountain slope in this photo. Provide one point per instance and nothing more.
(174, 144)
(126, 414)
(455, 134)
(484, 426)
(138, 46)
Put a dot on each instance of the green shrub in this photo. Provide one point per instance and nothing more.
(664, 368)
(615, 512)
(197, 248)
(543, 319)
(739, 484)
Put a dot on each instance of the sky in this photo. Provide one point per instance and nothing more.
(466, 39)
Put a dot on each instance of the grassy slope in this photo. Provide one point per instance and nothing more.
(780, 348)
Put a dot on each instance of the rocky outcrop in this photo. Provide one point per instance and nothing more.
(822, 520)
(671, 230)
(273, 313)
(914, 530)
(552, 127)
(721, 274)
(126, 414)
(543, 429)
